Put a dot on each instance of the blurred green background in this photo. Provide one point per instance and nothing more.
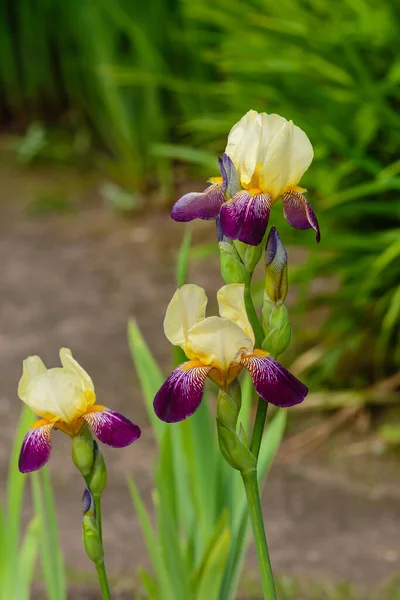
(141, 88)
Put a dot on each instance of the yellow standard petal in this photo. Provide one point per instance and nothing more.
(243, 145)
(232, 306)
(32, 366)
(187, 307)
(70, 364)
(218, 342)
(57, 395)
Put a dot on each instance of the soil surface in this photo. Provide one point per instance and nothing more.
(73, 280)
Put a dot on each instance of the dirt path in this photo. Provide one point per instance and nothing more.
(73, 280)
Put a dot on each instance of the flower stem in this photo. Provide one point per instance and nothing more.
(103, 581)
(259, 424)
(260, 540)
(252, 315)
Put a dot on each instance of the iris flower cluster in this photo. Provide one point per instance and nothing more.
(263, 162)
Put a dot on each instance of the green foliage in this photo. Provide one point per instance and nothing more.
(18, 555)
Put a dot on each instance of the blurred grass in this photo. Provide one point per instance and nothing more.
(150, 84)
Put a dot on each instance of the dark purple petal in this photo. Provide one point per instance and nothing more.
(230, 176)
(180, 396)
(36, 448)
(245, 217)
(298, 212)
(273, 382)
(199, 205)
(112, 428)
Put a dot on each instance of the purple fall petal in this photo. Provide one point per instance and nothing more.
(245, 217)
(180, 396)
(36, 448)
(273, 382)
(112, 428)
(298, 212)
(199, 205)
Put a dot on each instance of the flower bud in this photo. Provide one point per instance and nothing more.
(276, 279)
(90, 530)
(98, 477)
(83, 454)
(232, 268)
(234, 450)
(227, 409)
(276, 326)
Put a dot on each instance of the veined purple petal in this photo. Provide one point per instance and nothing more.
(36, 448)
(112, 428)
(199, 205)
(180, 396)
(298, 212)
(230, 176)
(272, 381)
(245, 217)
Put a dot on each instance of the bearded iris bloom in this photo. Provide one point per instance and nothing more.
(218, 348)
(265, 158)
(64, 398)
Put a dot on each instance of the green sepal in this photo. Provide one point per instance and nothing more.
(98, 476)
(92, 539)
(228, 409)
(234, 450)
(278, 340)
(250, 255)
(232, 268)
(83, 454)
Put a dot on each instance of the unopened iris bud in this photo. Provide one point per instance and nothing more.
(276, 325)
(234, 448)
(90, 530)
(232, 268)
(83, 454)
(227, 409)
(98, 477)
(276, 279)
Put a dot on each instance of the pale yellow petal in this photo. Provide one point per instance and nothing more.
(218, 342)
(69, 363)
(32, 366)
(232, 306)
(243, 145)
(274, 173)
(288, 156)
(301, 156)
(56, 394)
(187, 307)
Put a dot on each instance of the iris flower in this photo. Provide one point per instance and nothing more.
(265, 158)
(218, 348)
(64, 398)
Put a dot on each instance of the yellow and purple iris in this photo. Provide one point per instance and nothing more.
(64, 398)
(265, 158)
(218, 348)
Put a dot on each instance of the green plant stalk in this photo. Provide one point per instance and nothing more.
(103, 581)
(260, 540)
(97, 505)
(250, 479)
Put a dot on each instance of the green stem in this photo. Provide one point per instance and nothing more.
(103, 581)
(260, 540)
(97, 505)
(252, 315)
(259, 424)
